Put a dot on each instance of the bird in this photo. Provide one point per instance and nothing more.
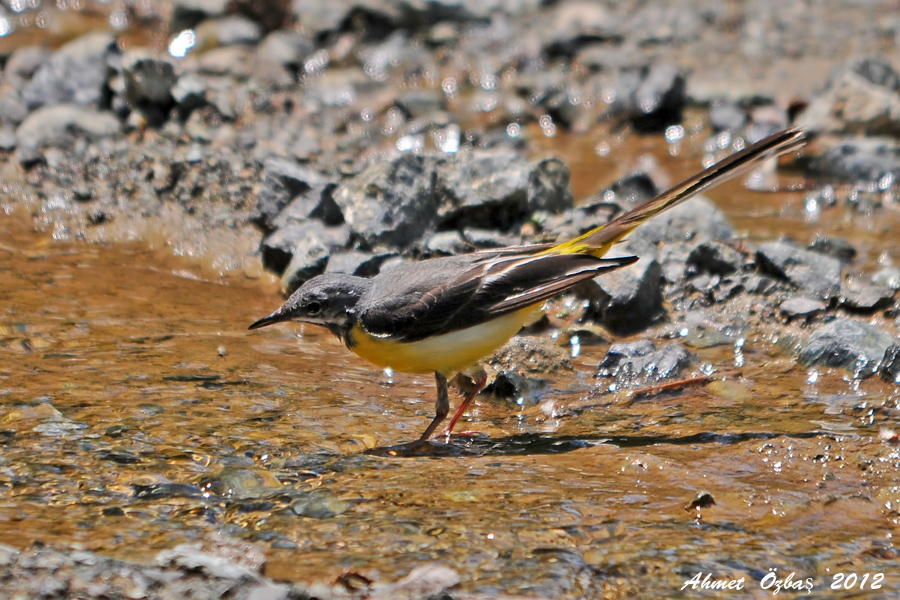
(443, 315)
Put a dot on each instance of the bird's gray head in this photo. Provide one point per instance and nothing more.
(329, 300)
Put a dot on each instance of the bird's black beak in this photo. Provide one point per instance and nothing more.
(276, 317)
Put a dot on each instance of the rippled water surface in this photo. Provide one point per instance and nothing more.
(136, 412)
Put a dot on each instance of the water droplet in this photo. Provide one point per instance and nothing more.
(182, 43)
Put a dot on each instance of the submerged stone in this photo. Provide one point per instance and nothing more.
(850, 344)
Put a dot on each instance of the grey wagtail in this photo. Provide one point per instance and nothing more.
(443, 315)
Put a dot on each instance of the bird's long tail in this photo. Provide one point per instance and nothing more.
(598, 241)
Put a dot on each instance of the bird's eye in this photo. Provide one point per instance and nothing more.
(313, 308)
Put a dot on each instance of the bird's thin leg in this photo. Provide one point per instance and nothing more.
(480, 382)
(441, 406)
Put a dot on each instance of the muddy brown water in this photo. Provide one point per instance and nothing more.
(136, 413)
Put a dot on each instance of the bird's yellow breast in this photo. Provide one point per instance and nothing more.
(445, 353)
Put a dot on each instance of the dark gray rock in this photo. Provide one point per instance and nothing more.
(188, 13)
(715, 258)
(392, 203)
(696, 220)
(859, 160)
(314, 203)
(512, 385)
(628, 192)
(799, 307)
(853, 345)
(808, 271)
(445, 243)
(890, 364)
(362, 264)
(631, 298)
(77, 73)
(659, 99)
(308, 238)
(287, 48)
(299, 190)
(865, 299)
(189, 92)
(499, 189)
(641, 362)
(12, 108)
(760, 284)
(835, 247)
(58, 125)
(548, 186)
(148, 79)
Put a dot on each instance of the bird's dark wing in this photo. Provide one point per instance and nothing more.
(418, 300)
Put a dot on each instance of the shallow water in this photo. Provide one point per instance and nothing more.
(136, 412)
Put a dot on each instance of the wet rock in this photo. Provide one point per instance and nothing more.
(189, 92)
(859, 160)
(238, 62)
(865, 299)
(426, 581)
(416, 103)
(12, 108)
(808, 271)
(319, 504)
(696, 220)
(23, 63)
(76, 73)
(309, 246)
(640, 361)
(314, 203)
(726, 116)
(628, 192)
(853, 345)
(188, 13)
(286, 182)
(862, 100)
(497, 189)
(890, 364)
(659, 98)
(530, 354)
(148, 79)
(630, 299)
(575, 24)
(59, 125)
(279, 247)
(228, 31)
(446, 243)
(835, 247)
(511, 385)
(286, 48)
(240, 482)
(801, 308)
(7, 139)
(191, 557)
(887, 277)
(362, 264)
(391, 203)
(715, 258)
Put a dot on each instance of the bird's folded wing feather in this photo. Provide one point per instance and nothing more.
(419, 300)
